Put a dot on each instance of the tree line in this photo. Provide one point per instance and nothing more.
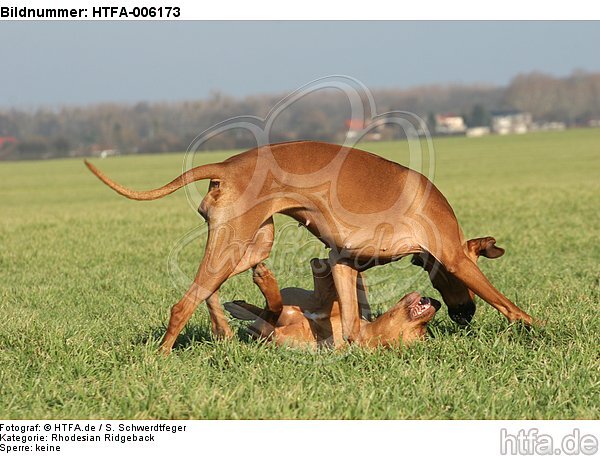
(166, 127)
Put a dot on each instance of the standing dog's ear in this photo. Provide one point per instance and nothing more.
(485, 246)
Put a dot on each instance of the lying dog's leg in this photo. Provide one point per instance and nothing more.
(345, 278)
(267, 283)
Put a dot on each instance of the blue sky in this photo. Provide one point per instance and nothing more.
(57, 63)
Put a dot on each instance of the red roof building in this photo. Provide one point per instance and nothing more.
(7, 140)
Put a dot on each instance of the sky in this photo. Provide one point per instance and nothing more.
(78, 63)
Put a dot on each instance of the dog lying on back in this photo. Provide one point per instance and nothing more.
(312, 318)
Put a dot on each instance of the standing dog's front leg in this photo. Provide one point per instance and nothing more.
(345, 278)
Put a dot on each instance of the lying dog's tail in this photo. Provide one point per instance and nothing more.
(213, 171)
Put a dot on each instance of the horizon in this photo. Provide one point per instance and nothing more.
(282, 94)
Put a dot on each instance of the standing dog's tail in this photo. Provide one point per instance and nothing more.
(213, 171)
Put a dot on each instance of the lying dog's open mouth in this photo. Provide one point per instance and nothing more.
(422, 306)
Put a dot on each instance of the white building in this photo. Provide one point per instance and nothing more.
(450, 124)
(506, 122)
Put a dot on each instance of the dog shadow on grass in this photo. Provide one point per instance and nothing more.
(201, 334)
(192, 335)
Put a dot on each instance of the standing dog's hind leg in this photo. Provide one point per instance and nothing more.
(203, 288)
(225, 248)
(219, 325)
(258, 250)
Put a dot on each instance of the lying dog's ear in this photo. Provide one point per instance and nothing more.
(485, 246)
(242, 310)
(417, 260)
(320, 267)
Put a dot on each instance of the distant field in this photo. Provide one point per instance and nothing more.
(85, 296)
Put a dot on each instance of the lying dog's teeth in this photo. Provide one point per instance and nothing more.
(418, 308)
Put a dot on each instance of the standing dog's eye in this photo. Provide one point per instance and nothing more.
(214, 184)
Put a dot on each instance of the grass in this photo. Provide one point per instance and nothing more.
(85, 294)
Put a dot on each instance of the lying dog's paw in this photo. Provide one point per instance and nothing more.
(260, 270)
(262, 275)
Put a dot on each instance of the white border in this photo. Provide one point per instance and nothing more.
(347, 9)
(302, 438)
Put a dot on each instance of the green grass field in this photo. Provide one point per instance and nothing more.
(85, 296)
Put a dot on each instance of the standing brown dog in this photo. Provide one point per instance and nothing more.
(368, 210)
